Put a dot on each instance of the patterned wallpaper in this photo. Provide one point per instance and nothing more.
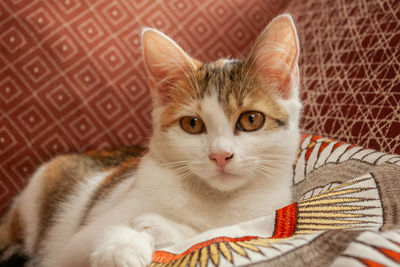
(350, 70)
(72, 77)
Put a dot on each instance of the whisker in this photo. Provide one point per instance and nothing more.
(269, 169)
(271, 160)
(282, 157)
(185, 174)
(176, 163)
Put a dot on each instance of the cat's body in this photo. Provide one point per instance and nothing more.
(225, 136)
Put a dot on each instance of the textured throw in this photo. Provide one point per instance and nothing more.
(349, 70)
(347, 213)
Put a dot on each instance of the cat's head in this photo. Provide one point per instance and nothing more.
(228, 122)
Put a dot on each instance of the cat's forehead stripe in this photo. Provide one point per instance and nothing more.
(223, 77)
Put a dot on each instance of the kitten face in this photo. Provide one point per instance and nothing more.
(228, 122)
(219, 105)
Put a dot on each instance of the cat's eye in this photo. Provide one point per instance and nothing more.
(250, 121)
(192, 125)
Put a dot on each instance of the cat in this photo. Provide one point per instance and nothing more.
(225, 136)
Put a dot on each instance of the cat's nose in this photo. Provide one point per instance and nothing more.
(221, 158)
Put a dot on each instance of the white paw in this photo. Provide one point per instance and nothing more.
(164, 231)
(123, 247)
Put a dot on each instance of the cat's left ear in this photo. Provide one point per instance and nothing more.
(275, 56)
(165, 63)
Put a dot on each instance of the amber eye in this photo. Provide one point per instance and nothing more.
(192, 125)
(250, 121)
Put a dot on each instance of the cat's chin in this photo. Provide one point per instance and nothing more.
(224, 181)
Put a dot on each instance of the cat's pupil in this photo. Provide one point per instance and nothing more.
(251, 118)
(193, 122)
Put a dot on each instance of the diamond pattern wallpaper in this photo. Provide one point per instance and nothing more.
(72, 77)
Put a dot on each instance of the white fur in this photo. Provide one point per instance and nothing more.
(29, 209)
(122, 246)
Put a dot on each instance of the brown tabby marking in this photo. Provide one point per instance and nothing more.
(109, 183)
(238, 89)
(113, 157)
(16, 234)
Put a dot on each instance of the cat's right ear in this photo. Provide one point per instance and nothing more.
(165, 63)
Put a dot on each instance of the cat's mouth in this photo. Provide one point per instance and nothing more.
(225, 175)
(226, 181)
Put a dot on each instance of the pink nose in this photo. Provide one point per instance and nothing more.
(221, 158)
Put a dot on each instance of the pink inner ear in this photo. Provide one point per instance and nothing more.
(281, 78)
(276, 53)
(165, 63)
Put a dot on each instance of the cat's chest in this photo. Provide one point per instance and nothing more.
(200, 207)
(204, 211)
(206, 215)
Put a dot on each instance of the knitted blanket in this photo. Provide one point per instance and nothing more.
(347, 213)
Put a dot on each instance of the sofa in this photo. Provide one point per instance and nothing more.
(72, 77)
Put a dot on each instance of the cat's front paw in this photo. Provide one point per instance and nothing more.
(123, 247)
